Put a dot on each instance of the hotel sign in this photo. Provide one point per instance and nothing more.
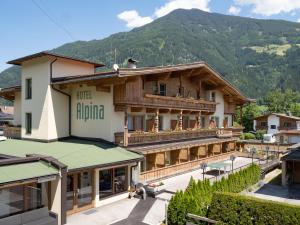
(86, 109)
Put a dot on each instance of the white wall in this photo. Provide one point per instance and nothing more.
(219, 107)
(96, 128)
(65, 67)
(273, 120)
(58, 118)
(38, 71)
(254, 124)
(56, 198)
(49, 108)
(17, 109)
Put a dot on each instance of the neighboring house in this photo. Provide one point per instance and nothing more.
(92, 135)
(291, 166)
(6, 114)
(288, 136)
(274, 122)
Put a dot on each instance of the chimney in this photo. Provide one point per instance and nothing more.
(132, 63)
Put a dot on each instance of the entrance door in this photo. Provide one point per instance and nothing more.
(79, 191)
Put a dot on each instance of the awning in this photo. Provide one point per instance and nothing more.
(26, 171)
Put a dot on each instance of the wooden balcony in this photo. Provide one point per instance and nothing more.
(236, 131)
(170, 170)
(136, 138)
(12, 132)
(167, 102)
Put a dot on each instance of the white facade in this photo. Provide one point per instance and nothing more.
(89, 125)
(273, 124)
(49, 108)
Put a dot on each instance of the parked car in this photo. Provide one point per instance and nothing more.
(269, 138)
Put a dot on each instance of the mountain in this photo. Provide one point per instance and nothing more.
(255, 55)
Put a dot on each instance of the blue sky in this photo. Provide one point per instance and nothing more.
(29, 26)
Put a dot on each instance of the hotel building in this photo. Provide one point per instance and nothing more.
(82, 138)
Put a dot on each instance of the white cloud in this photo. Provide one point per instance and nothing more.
(181, 4)
(133, 19)
(270, 7)
(234, 10)
(298, 20)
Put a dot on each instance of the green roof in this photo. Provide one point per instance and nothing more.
(75, 153)
(25, 171)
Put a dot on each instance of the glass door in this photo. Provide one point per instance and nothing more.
(85, 190)
(79, 191)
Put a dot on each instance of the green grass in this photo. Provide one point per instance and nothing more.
(273, 49)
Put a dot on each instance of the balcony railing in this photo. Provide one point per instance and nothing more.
(287, 128)
(12, 132)
(236, 131)
(140, 137)
(158, 101)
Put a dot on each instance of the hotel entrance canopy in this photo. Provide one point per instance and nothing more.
(74, 153)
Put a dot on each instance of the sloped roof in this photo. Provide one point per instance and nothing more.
(19, 61)
(25, 171)
(279, 115)
(75, 153)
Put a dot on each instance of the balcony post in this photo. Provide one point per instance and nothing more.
(199, 125)
(180, 120)
(125, 141)
(156, 121)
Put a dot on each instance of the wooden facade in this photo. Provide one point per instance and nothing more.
(286, 122)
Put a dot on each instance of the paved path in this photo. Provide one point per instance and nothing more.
(138, 213)
(104, 215)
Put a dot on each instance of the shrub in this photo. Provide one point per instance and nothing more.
(260, 134)
(247, 136)
(234, 209)
(196, 199)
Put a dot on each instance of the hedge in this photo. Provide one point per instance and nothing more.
(196, 199)
(234, 209)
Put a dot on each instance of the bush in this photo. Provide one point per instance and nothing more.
(260, 134)
(196, 199)
(247, 136)
(234, 209)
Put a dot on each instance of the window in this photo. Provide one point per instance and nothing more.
(105, 183)
(163, 89)
(203, 125)
(28, 88)
(120, 180)
(135, 122)
(263, 124)
(28, 123)
(273, 126)
(287, 124)
(18, 199)
(216, 119)
(112, 181)
(185, 122)
(181, 91)
(213, 96)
